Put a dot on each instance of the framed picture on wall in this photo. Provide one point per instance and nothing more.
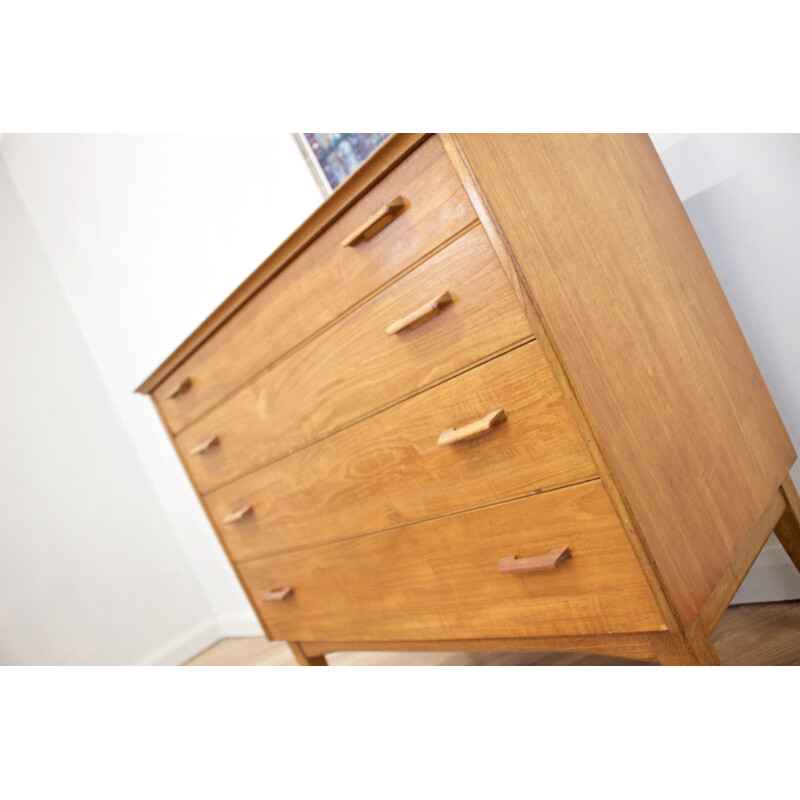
(333, 156)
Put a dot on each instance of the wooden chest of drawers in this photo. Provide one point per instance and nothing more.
(489, 396)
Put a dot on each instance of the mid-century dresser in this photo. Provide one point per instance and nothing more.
(489, 396)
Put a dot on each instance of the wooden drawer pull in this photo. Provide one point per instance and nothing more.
(477, 428)
(376, 223)
(204, 446)
(276, 595)
(235, 516)
(558, 555)
(422, 314)
(179, 388)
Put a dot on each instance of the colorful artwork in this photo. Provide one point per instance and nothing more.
(335, 155)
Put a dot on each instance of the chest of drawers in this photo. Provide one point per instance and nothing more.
(489, 396)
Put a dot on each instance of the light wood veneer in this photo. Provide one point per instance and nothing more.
(486, 351)
(355, 367)
(647, 339)
(440, 579)
(389, 470)
(326, 280)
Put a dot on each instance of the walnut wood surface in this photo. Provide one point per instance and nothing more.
(354, 368)
(647, 340)
(394, 149)
(324, 281)
(439, 579)
(388, 470)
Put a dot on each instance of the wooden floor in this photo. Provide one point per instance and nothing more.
(756, 635)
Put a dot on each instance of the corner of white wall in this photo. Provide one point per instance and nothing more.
(244, 623)
(205, 634)
(211, 207)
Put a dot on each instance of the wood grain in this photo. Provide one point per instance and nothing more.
(638, 646)
(691, 648)
(376, 223)
(304, 660)
(354, 368)
(788, 527)
(323, 282)
(388, 470)
(522, 290)
(179, 389)
(362, 180)
(550, 560)
(641, 343)
(472, 430)
(647, 340)
(762, 634)
(276, 595)
(420, 315)
(439, 579)
(740, 564)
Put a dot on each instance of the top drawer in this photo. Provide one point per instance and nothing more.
(323, 281)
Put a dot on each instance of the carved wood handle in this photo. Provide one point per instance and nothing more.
(420, 315)
(558, 555)
(477, 428)
(376, 223)
(204, 446)
(276, 595)
(179, 388)
(235, 516)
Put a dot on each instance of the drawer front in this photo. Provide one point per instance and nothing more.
(440, 579)
(355, 367)
(322, 282)
(389, 470)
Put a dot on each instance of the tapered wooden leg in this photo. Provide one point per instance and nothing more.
(788, 528)
(692, 649)
(306, 661)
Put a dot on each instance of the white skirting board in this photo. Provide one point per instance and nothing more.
(190, 644)
(184, 647)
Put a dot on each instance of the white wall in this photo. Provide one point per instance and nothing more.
(148, 234)
(742, 193)
(91, 570)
